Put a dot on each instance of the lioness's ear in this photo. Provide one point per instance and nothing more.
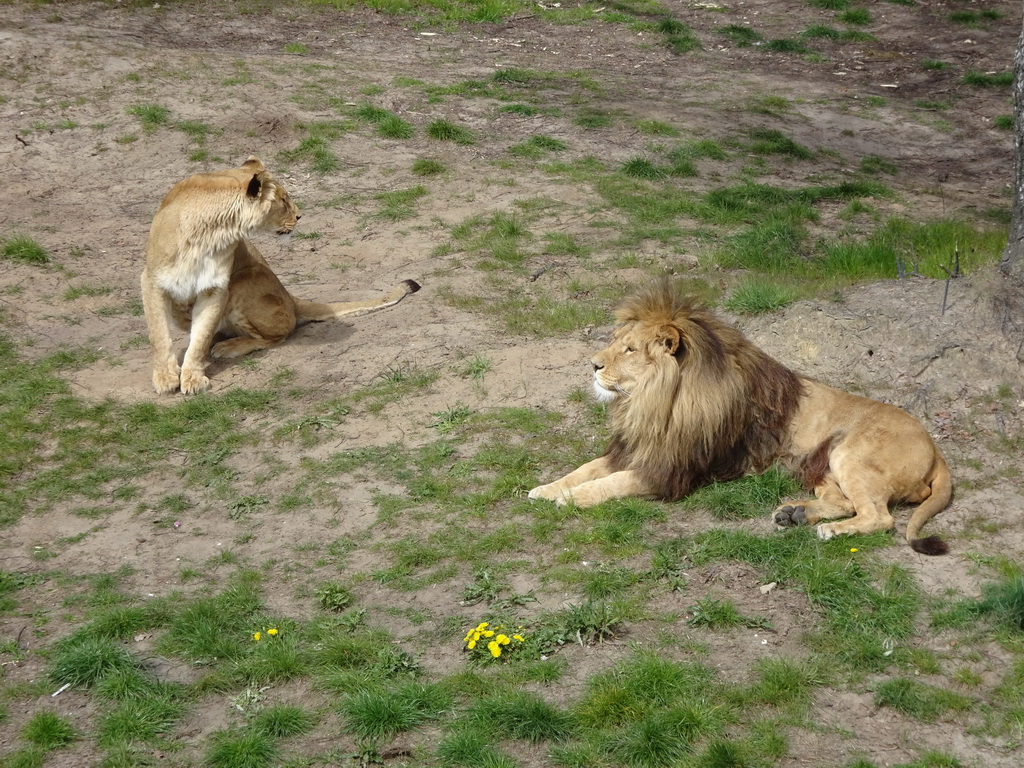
(255, 187)
(668, 338)
(255, 163)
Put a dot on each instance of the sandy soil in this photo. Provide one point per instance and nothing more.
(88, 195)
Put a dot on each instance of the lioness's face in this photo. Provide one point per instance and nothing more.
(284, 215)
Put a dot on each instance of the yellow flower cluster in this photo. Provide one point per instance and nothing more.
(272, 632)
(495, 638)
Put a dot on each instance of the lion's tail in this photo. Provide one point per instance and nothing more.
(312, 311)
(942, 492)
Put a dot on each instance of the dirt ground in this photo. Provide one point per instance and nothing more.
(88, 197)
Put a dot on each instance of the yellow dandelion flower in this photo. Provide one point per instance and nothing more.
(256, 636)
(494, 648)
(481, 626)
(472, 644)
(488, 633)
(271, 631)
(853, 549)
(502, 640)
(520, 638)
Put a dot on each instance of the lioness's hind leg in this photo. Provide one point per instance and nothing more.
(242, 345)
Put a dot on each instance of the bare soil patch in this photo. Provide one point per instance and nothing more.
(87, 193)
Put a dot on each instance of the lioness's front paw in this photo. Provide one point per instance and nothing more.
(194, 381)
(789, 515)
(166, 381)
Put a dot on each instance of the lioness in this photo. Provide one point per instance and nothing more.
(692, 401)
(205, 276)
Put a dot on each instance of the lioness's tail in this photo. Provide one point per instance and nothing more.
(315, 311)
(942, 492)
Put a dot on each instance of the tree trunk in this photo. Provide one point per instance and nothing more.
(1012, 263)
(1011, 296)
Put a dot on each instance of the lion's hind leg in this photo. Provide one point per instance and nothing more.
(870, 500)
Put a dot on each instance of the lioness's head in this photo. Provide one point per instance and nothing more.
(282, 215)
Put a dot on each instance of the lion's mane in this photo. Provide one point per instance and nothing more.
(719, 408)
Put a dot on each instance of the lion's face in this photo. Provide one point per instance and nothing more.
(636, 350)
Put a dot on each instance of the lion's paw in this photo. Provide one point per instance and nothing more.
(194, 381)
(827, 531)
(548, 492)
(790, 515)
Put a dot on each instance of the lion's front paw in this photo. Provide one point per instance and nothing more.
(790, 515)
(549, 492)
(827, 531)
(165, 381)
(193, 381)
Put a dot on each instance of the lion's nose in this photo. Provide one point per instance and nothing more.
(298, 216)
(597, 366)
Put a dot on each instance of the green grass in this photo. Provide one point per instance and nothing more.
(740, 35)
(919, 700)
(766, 141)
(1002, 79)
(384, 714)
(425, 166)
(48, 730)
(745, 498)
(389, 125)
(712, 613)
(754, 296)
(315, 149)
(537, 146)
(395, 503)
(151, 116)
(241, 749)
(397, 204)
(24, 249)
(445, 130)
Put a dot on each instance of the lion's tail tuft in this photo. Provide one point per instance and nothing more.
(929, 545)
(942, 492)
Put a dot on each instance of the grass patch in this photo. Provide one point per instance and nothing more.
(919, 700)
(23, 249)
(740, 35)
(48, 730)
(755, 296)
(397, 204)
(151, 116)
(445, 130)
(745, 498)
(425, 166)
(537, 146)
(985, 80)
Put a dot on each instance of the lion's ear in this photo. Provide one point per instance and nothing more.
(668, 338)
(254, 164)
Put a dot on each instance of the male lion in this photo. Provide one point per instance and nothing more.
(205, 276)
(692, 401)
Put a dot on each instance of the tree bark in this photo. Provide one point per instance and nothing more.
(1011, 294)
(1012, 263)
